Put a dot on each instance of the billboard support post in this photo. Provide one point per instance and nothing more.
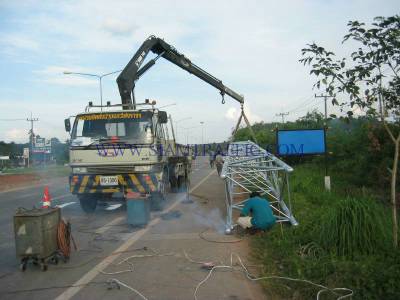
(327, 177)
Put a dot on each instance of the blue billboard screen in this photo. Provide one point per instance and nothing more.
(301, 142)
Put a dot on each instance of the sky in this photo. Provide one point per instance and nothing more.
(254, 47)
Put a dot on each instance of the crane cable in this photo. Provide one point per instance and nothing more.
(64, 238)
(243, 115)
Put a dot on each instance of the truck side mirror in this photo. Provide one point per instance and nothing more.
(162, 117)
(67, 125)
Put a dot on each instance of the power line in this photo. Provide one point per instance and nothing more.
(307, 108)
(302, 104)
(282, 114)
(12, 119)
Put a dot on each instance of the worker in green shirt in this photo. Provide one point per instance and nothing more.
(256, 213)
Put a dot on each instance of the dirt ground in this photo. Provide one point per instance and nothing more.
(31, 177)
(11, 181)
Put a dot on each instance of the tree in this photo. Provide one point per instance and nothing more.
(312, 118)
(369, 78)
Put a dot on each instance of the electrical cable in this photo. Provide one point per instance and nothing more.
(114, 280)
(307, 107)
(64, 238)
(118, 272)
(253, 278)
(302, 104)
(192, 260)
(144, 255)
(100, 257)
(201, 235)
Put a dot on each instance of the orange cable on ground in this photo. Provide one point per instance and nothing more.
(64, 238)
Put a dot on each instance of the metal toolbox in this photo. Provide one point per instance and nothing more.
(36, 232)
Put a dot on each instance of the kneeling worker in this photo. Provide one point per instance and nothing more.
(259, 209)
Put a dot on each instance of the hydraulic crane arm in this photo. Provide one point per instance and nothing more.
(133, 70)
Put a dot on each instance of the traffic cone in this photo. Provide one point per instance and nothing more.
(46, 203)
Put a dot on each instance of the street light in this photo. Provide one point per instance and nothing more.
(202, 132)
(172, 104)
(176, 124)
(187, 132)
(100, 77)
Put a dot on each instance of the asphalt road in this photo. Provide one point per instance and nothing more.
(106, 244)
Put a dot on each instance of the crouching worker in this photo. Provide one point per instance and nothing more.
(256, 213)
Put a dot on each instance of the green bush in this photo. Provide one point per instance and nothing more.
(353, 226)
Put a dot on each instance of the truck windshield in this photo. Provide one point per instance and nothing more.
(128, 127)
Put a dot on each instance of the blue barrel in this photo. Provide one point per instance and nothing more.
(138, 211)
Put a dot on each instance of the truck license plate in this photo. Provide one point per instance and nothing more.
(108, 180)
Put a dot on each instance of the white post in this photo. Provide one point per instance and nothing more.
(328, 183)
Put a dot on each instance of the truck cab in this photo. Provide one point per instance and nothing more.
(124, 151)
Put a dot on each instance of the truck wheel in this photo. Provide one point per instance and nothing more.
(173, 180)
(183, 183)
(157, 201)
(88, 203)
(158, 197)
(174, 184)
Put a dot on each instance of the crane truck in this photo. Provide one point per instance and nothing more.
(126, 148)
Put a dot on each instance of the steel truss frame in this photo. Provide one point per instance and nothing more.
(247, 168)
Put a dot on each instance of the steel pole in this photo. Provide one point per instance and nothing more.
(101, 94)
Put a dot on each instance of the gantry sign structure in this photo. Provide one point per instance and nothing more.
(248, 168)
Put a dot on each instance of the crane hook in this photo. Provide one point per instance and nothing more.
(223, 98)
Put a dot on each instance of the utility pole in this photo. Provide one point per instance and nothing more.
(31, 119)
(327, 177)
(282, 114)
(326, 105)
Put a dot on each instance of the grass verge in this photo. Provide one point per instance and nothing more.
(43, 171)
(341, 242)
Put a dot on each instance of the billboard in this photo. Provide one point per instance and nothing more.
(299, 142)
(41, 145)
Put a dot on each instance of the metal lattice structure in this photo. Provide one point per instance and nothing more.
(247, 168)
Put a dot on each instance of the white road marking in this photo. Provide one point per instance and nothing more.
(134, 237)
(113, 206)
(61, 196)
(65, 204)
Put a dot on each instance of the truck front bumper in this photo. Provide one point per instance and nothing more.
(90, 183)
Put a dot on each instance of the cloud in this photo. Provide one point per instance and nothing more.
(16, 134)
(20, 42)
(117, 27)
(233, 114)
